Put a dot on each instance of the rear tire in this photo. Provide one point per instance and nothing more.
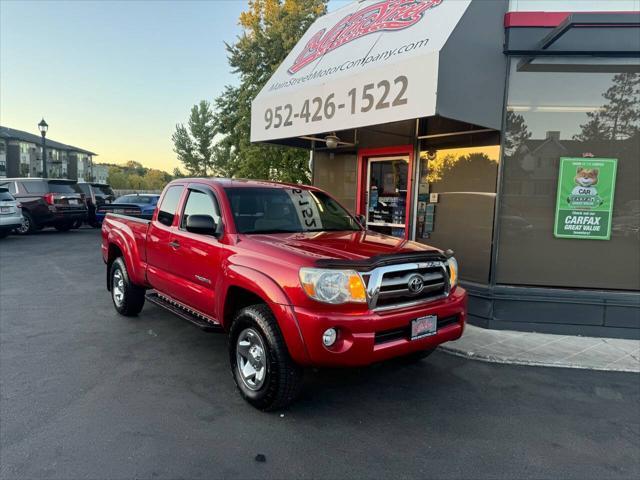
(262, 368)
(128, 299)
(28, 225)
(4, 233)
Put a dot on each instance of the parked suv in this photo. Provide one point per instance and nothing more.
(47, 202)
(97, 195)
(10, 212)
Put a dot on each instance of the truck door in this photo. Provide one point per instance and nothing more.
(196, 257)
(160, 249)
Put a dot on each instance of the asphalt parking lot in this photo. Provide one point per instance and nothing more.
(88, 394)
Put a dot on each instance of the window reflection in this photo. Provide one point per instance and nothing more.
(553, 114)
(456, 202)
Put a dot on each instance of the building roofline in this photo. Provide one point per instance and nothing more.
(7, 133)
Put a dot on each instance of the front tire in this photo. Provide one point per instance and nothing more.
(261, 366)
(128, 299)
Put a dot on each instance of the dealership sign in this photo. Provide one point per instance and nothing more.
(584, 203)
(368, 63)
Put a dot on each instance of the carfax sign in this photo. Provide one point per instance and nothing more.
(586, 188)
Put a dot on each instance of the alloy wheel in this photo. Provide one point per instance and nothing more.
(24, 226)
(251, 359)
(118, 287)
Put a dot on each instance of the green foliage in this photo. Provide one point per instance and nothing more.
(194, 143)
(271, 28)
(619, 118)
(134, 176)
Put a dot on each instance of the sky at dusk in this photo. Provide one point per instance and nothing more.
(114, 77)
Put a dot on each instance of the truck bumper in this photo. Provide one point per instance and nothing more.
(372, 337)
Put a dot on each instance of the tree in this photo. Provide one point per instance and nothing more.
(517, 133)
(619, 118)
(133, 175)
(117, 178)
(271, 28)
(193, 144)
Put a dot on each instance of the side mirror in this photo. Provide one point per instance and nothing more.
(362, 220)
(203, 224)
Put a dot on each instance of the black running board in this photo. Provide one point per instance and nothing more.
(199, 319)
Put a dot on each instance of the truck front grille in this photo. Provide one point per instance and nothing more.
(397, 286)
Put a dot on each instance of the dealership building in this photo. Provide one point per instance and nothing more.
(507, 131)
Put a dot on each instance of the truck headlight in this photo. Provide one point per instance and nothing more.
(452, 266)
(333, 286)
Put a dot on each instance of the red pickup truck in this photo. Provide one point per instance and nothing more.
(289, 274)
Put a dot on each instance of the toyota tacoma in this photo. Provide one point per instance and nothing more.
(292, 278)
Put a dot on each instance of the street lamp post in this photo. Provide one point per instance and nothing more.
(43, 127)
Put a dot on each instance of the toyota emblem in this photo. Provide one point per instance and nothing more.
(415, 284)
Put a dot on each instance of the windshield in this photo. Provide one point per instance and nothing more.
(280, 210)
(58, 187)
(102, 190)
(136, 199)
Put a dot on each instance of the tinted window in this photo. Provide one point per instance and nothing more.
(35, 187)
(55, 187)
(85, 188)
(555, 110)
(169, 205)
(199, 203)
(5, 196)
(103, 190)
(273, 210)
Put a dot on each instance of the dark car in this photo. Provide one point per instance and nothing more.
(47, 202)
(134, 205)
(97, 194)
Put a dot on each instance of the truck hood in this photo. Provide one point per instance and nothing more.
(313, 246)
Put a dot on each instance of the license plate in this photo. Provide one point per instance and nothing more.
(5, 209)
(118, 210)
(424, 327)
(73, 201)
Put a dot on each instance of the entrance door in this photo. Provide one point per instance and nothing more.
(387, 186)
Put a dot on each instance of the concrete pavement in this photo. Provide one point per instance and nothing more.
(541, 349)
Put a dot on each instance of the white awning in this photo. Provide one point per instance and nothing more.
(368, 63)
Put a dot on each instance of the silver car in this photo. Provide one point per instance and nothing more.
(10, 213)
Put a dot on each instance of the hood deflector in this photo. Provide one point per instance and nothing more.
(383, 260)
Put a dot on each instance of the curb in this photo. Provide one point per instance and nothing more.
(529, 363)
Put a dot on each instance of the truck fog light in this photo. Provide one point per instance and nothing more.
(329, 337)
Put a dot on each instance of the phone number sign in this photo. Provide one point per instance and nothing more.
(375, 96)
(584, 202)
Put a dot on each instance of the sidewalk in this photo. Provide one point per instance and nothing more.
(541, 349)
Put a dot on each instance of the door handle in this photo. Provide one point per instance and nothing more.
(174, 244)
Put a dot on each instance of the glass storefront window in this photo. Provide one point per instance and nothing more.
(336, 173)
(562, 108)
(456, 203)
